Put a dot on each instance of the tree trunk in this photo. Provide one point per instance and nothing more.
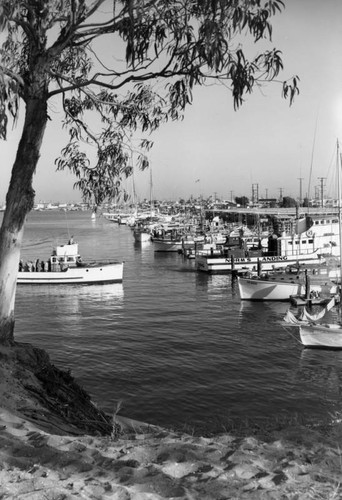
(19, 202)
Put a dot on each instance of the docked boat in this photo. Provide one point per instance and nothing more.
(322, 336)
(112, 217)
(177, 242)
(167, 237)
(167, 244)
(65, 267)
(303, 282)
(314, 330)
(268, 289)
(121, 218)
(220, 262)
(281, 251)
(315, 334)
(141, 233)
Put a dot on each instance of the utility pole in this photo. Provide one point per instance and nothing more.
(280, 194)
(231, 195)
(300, 190)
(255, 193)
(321, 179)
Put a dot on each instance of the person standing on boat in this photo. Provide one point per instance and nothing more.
(71, 241)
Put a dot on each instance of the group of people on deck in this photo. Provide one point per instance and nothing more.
(36, 266)
(55, 264)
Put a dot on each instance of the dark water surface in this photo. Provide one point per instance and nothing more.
(174, 345)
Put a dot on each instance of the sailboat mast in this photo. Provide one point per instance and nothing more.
(151, 190)
(338, 165)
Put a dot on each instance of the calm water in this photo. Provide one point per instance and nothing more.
(174, 345)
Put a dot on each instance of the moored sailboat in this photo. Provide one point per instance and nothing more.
(312, 331)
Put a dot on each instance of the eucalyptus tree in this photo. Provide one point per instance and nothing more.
(156, 52)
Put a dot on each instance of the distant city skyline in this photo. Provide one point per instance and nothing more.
(218, 150)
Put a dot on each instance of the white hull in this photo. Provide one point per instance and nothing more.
(256, 289)
(323, 336)
(167, 245)
(107, 273)
(111, 217)
(219, 264)
(142, 236)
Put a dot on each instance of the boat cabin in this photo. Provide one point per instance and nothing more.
(65, 256)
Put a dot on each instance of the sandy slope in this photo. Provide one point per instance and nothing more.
(51, 448)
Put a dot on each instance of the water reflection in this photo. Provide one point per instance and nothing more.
(321, 371)
(105, 292)
(213, 282)
(235, 287)
(142, 245)
(68, 302)
(262, 310)
(68, 312)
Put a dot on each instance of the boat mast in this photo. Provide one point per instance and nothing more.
(151, 194)
(338, 165)
(135, 203)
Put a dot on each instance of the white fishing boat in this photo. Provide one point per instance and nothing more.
(126, 219)
(65, 267)
(307, 246)
(167, 244)
(264, 289)
(111, 216)
(167, 237)
(293, 282)
(174, 241)
(120, 218)
(218, 262)
(141, 233)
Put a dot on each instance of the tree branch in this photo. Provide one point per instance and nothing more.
(13, 75)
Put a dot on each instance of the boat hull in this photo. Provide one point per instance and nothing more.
(256, 289)
(142, 236)
(167, 245)
(321, 336)
(107, 273)
(220, 265)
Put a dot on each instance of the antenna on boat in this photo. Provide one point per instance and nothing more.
(67, 223)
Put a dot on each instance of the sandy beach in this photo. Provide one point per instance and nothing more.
(55, 445)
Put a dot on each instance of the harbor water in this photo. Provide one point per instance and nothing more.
(174, 345)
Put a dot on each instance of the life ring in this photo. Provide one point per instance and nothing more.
(309, 233)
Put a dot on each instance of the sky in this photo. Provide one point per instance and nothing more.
(266, 146)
